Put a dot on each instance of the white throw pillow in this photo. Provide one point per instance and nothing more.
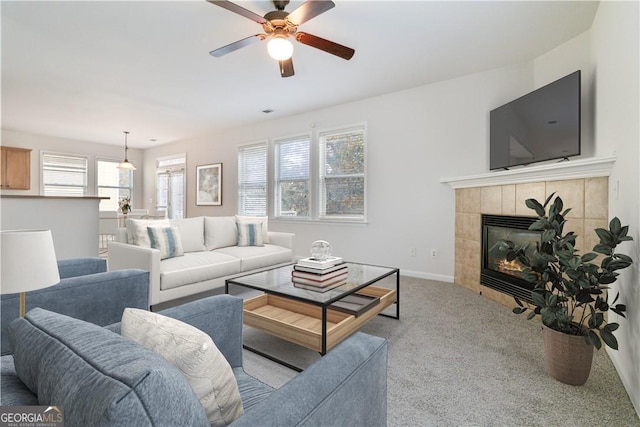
(167, 240)
(194, 353)
(250, 234)
(240, 219)
(220, 232)
(137, 230)
(192, 233)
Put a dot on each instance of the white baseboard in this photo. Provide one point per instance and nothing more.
(430, 276)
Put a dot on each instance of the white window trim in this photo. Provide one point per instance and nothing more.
(174, 168)
(318, 195)
(95, 176)
(273, 195)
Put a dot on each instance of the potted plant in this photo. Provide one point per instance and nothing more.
(570, 290)
(125, 205)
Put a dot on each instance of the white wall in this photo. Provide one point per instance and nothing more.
(39, 143)
(414, 138)
(615, 48)
(73, 222)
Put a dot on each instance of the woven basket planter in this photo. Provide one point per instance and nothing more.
(567, 358)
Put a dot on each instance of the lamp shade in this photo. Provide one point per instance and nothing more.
(126, 164)
(27, 261)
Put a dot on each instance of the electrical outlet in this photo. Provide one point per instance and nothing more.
(434, 254)
(412, 252)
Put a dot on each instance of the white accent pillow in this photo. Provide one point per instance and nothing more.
(194, 353)
(137, 230)
(167, 240)
(240, 219)
(220, 232)
(192, 233)
(250, 234)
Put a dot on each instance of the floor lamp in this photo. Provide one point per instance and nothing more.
(27, 262)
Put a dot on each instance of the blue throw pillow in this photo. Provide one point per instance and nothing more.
(98, 377)
(250, 234)
(167, 240)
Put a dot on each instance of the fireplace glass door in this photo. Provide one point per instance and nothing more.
(496, 272)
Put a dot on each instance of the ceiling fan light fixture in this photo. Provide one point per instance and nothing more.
(280, 48)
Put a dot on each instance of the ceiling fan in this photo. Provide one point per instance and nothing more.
(279, 26)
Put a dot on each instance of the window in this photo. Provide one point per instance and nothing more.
(342, 174)
(113, 183)
(317, 176)
(292, 177)
(64, 175)
(170, 184)
(252, 179)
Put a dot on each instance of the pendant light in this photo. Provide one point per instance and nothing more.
(125, 164)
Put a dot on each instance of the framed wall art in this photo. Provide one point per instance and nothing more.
(209, 185)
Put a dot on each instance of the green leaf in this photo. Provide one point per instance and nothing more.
(608, 338)
(538, 299)
(539, 225)
(589, 256)
(612, 327)
(548, 235)
(618, 265)
(615, 226)
(531, 277)
(605, 236)
(546, 202)
(607, 279)
(558, 205)
(619, 309)
(531, 315)
(594, 339)
(624, 257)
(518, 310)
(535, 205)
(602, 249)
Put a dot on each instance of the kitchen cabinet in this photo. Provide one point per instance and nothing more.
(15, 173)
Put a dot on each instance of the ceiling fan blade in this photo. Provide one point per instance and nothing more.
(239, 10)
(286, 67)
(309, 9)
(326, 45)
(237, 45)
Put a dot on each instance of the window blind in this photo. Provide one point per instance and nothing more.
(292, 180)
(252, 180)
(64, 175)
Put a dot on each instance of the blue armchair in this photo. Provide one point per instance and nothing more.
(86, 291)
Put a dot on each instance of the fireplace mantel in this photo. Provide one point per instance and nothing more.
(573, 169)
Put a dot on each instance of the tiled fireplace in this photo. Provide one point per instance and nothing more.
(588, 198)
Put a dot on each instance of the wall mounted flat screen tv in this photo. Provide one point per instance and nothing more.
(541, 125)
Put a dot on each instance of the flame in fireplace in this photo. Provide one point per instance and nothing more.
(513, 268)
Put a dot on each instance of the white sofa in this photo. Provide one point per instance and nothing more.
(211, 253)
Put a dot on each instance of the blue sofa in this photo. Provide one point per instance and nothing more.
(348, 386)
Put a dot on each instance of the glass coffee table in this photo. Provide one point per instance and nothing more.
(306, 317)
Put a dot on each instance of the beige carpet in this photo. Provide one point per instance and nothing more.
(458, 359)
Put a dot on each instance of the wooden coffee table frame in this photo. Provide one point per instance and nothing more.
(310, 323)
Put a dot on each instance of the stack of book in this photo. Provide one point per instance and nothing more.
(319, 276)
